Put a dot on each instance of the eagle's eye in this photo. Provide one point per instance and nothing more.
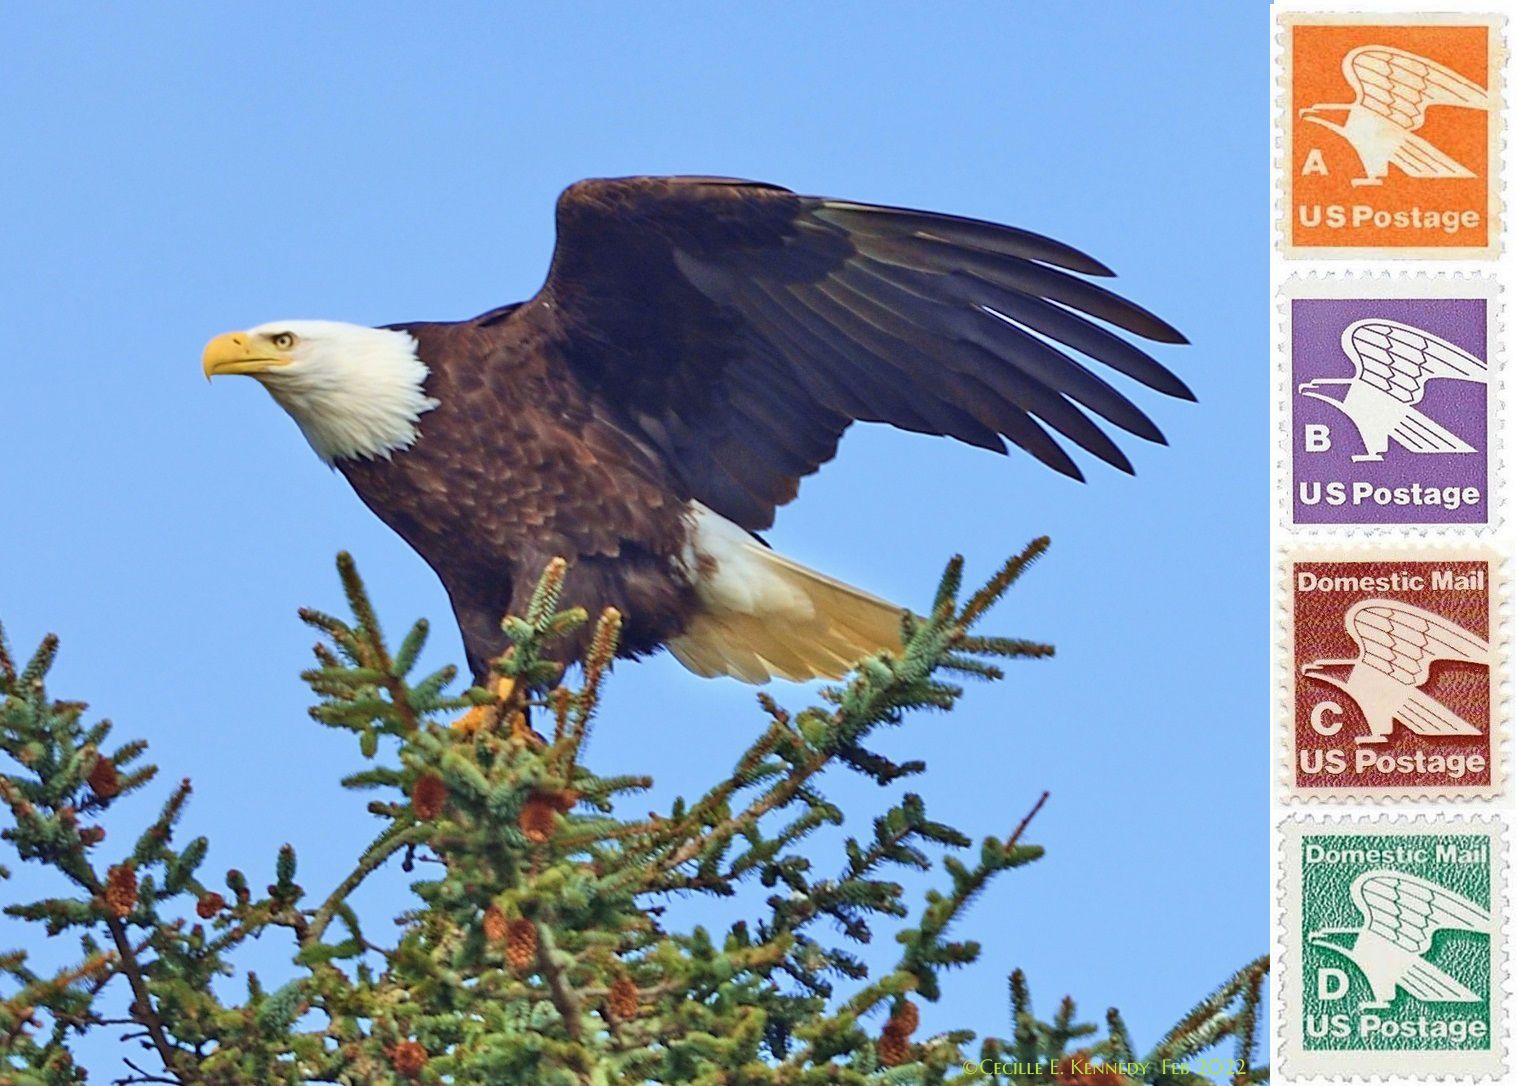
(283, 340)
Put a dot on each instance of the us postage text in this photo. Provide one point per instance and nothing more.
(1390, 127)
(1392, 959)
(1392, 401)
(1393, 672)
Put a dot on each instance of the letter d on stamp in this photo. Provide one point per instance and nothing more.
(1392, 960)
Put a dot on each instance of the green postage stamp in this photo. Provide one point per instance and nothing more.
(1392, 954)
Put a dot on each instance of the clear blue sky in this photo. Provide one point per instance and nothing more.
(174, 171)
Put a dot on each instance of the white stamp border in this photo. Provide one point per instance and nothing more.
(1293, 1062)
(1399, 285)
(1282, 133)
(1500, 720)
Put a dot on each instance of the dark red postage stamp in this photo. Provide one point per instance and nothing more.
(1394, 670)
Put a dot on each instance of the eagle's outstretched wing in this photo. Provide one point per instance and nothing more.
(1403, 641)
(1400, 86)
(1408, 910)
(740, 328)
(1400, 360)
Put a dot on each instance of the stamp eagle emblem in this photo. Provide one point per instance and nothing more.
(1394, 363)
(1400, 915)
(1394, 90)
(1399, 644)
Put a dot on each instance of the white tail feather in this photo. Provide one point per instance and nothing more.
(1418, 433)
(1425, 716)
(765, 616)
(1426, 981)
(1416, 157)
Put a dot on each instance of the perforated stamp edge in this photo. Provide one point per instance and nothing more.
(1500, 616)
(1400, 285)
(1282, 148)
(1293, 1062)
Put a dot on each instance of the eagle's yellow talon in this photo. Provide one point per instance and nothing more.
(523, 734)
(484, 716)
(472, 721)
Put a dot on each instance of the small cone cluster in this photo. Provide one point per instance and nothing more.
(895, 1045)
(428, 796)
(121, 890)
(539, 813)
(408, 1058)
(622, 999)
(521, 943)
(494, 924)
(104, 780)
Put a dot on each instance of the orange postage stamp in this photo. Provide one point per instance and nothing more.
(1390, 134)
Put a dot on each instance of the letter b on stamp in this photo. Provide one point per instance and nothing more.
(1391, 402)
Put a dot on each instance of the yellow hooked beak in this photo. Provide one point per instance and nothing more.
(239, 352)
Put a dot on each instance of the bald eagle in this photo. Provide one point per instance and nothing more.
(699, 346)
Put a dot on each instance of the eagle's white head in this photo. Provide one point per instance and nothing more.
(355, 392)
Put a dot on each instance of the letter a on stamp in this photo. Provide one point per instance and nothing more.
(1390, 135)
(1392, 962)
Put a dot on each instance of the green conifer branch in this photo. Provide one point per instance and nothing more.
(540, 948)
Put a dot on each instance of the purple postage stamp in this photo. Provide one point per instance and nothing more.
(1391, 401)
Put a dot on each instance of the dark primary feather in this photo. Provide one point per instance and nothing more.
(739, 328)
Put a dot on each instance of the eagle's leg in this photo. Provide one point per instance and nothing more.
(1367, 458)
(1357, 182)
(523, 732)
(488, 715)
(509, 706)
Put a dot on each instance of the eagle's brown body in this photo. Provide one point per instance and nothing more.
(698, 347)
(512, 469)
